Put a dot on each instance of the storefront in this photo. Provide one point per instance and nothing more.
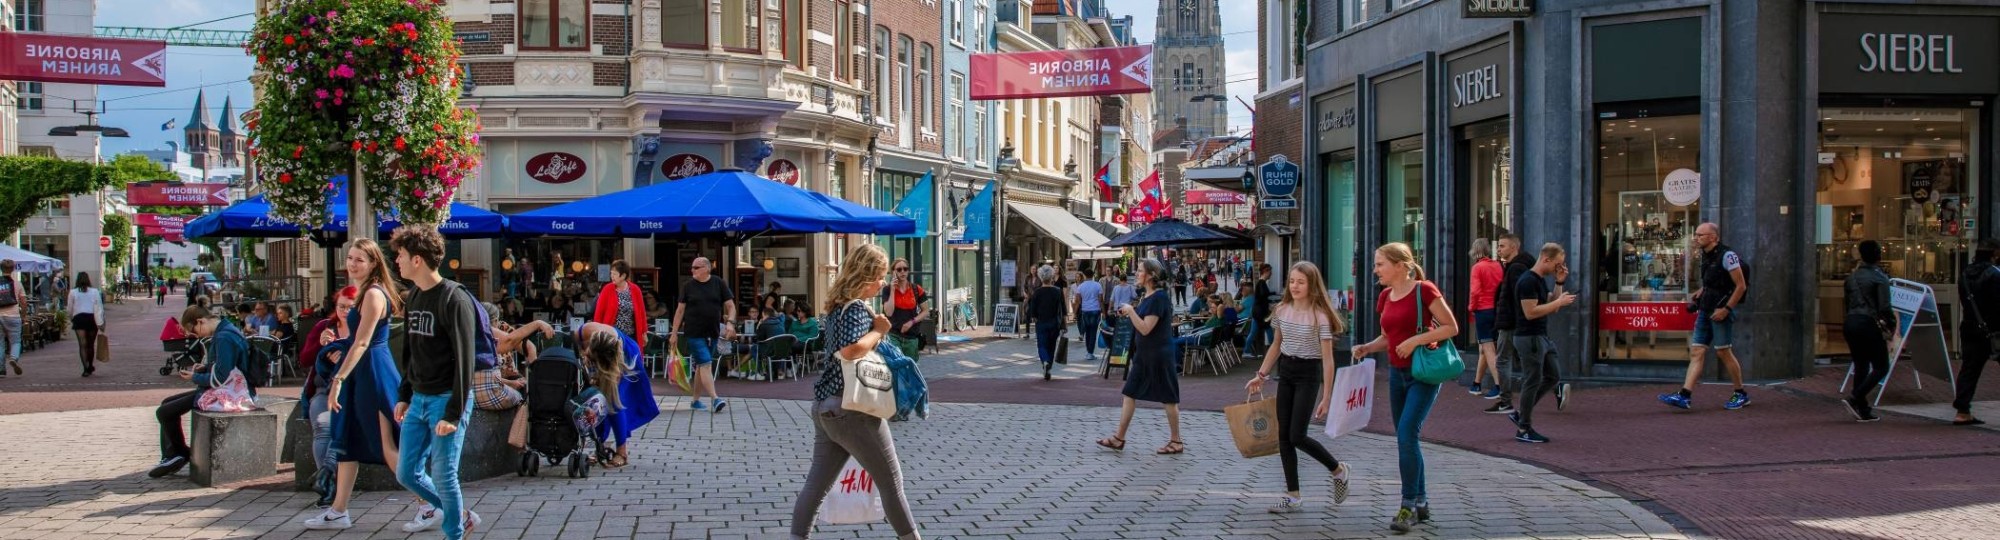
(1903, 149)
(1344, 257)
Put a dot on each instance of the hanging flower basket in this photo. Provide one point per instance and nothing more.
(367, 84)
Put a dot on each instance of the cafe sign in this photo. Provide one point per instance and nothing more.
(1909, 54)
(783, 171)
(680, 166)
(556, 168)
(1486, 9)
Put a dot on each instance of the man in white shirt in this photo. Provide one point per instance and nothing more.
(1089, 308)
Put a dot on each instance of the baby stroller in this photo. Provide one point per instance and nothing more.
(183, 350)
(563, 413)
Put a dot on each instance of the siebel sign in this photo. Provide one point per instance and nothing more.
(35, 56)
(1079, 72)
(1474, 9)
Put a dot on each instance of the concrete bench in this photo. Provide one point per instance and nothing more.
(233, 447)
(486, 453)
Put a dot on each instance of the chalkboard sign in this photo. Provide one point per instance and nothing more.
(746, 290)
(1119, 353)
(648, 280)
(1006, 319)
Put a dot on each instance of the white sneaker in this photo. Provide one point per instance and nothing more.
(328, 521)
(426, 519)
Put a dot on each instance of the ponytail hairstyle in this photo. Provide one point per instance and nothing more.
(605, 354)
(1400, 253)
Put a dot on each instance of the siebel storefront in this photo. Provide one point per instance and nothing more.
(1615, 127)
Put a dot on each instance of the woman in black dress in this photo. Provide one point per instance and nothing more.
(1153, 375)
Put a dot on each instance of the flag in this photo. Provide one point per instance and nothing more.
(917, 206)
(169, 126)
(978, 218)
(1104, 190)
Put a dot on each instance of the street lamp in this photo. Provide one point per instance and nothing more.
(1006, 164)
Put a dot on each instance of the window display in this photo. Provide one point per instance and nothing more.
(1341, 252)
(1902, 177)
(1403, 180)
(1644, 239)
(1490, 159)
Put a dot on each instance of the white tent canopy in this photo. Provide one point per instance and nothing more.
(28, 261)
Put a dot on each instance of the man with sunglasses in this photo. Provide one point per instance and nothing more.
(705, 304)
(1714, 304)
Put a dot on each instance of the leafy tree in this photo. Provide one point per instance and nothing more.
(27, 182)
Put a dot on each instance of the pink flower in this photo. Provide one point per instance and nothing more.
(320, 93)
(344, 71)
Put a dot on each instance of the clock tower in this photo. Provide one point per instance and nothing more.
(1189, 81)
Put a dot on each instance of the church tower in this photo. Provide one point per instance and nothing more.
(1189, 80)
(201, 140)
(231, 135)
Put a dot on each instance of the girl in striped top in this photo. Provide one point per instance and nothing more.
(1306, 327)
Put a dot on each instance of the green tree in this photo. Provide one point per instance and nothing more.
(27, 182)
(119, 228)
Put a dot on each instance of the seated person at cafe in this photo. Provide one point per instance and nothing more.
(285, 326)
(1200, 303)
(261, 317)
(1219, 318)
(804, 326)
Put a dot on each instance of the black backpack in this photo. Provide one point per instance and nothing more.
(8, 296)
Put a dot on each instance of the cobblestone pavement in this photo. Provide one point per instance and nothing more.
(974, 471)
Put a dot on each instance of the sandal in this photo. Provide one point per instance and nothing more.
(1113, 443)
(616, 461)
(1173, 447)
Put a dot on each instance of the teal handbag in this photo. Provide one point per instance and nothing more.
(1437, 362)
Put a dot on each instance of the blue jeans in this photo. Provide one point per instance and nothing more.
(12, 327)
(1409, 404)
(322, 432)
(1086, 327)
(1713, 334)
(1256, 337)
(429, 463)
(702, 351)
(1046, 336)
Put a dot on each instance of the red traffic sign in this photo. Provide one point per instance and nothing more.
(104, 243)
(36, 56)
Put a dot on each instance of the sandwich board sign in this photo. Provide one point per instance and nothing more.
(1919, 331)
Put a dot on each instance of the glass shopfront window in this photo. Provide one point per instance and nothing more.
(1489, 158)
(1903, 177)
(1341, 252)
(1403, 183)
(1645, 260)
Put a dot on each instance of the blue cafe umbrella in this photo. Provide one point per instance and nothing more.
(251, 218)
(730, 204)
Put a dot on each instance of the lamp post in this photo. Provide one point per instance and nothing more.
(89, 126)
(1007, 165)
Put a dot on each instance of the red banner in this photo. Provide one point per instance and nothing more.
(176, 194)
(1644, 316)
(1215, 196)
(35, 56)
(147, 219)
(1078, 72)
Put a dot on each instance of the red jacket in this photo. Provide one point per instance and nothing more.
(606, 311)
(1486, 276)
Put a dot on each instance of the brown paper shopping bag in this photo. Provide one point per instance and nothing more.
(1254, 425)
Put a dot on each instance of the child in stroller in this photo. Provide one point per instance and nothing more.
(183, 350)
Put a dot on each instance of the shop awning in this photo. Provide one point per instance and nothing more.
(1066, 228)
(1226, 177)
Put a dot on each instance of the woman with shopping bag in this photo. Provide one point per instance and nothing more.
(852, 332)
(1153, 374)
(1413, 315)
(1306, 327)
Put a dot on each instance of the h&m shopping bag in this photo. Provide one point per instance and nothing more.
(1353, 398)
(1254, 425)
(853, 499)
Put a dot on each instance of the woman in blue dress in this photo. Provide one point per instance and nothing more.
(1153, 374)
(363, 391)
(613, 360)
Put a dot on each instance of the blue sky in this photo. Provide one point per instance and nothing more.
(222, 71)
(141, 110)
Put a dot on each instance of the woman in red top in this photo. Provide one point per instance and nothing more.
(621, 305)
(1486, 276)
(1404, 290)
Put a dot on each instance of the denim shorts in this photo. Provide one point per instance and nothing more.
(1482, 326)
(1713, 334)
(702, 351)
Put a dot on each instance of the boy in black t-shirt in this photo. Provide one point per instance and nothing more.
(435, 400)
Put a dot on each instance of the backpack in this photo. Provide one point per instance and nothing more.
(8, 296)
(485, 348)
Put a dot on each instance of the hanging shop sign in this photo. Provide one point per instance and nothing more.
(1682, 187)
(1215, 196)
(1496, 9)
(1909, 54)
(680, 166)
(36, 56)
(1072, 72)
(177, 194)
(783, 171)
(556, 168)
(1279, 179)
(1480, 84)
(1644, 317)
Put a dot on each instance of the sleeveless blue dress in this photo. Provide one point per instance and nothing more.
(367, 397)
(635, 393)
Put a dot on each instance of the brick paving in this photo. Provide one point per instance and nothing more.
(975, 471)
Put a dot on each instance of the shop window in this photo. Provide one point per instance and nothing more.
(795, 33)
(684, 23)
(1904, 177)
(1342, 254)
(555, 24)
(1646, 263)
(1403, 183)
(740, 24)
(1488, 151)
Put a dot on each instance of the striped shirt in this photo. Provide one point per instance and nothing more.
(1296, 329)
